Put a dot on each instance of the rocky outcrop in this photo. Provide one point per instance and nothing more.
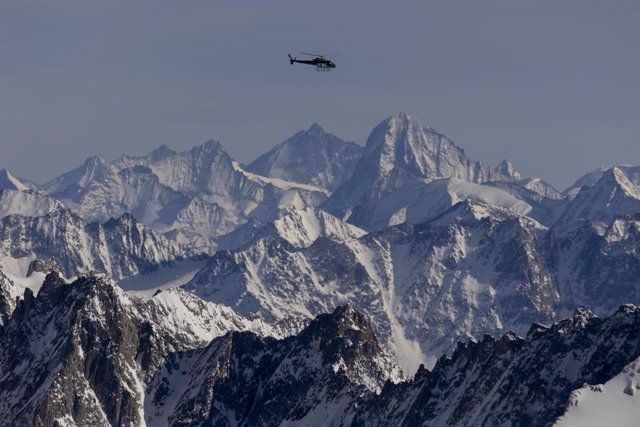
(310, 378)
(82, 353)
(512, 380)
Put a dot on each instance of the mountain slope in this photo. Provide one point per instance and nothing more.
(424, 287)
(417, 201)
(27, 202)
(546, 203)
(310, 157)
(615, 402)
(243, 379)
(513, 381)
(598, 265)
(86, 354)
(473, 269)
(120, 247)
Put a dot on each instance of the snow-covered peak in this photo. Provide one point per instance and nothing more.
(211, 146)
(183, 313)
(614, 177)
(404, 120)
(541, 187)
(400, 150)
(404, 142)
(93, 169)
(10, 182)
(192, 196)
(315, 129)
(611, 196)
(302, 227)
(579, 319)
(506, 168)
(311, 157)
(160, 153)
(589, 180)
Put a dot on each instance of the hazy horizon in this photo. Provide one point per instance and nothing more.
(552, 87)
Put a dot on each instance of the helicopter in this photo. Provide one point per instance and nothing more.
(320, 62)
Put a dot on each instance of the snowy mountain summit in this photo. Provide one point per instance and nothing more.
(403, 155)
(310, 157)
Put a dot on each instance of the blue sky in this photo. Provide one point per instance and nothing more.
(553, 86)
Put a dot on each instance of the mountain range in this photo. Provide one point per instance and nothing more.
(84, 353)
(332, 284)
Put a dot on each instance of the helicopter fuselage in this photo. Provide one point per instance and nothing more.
(320, 63)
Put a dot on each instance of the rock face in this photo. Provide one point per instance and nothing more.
(242, 379)
(120, 247)
(310, 157)
(82, 353)
(425, 287)
(513, 381)
(8, 298)
(45, 267)
(86, 354)
(81, 369)
(598, 265)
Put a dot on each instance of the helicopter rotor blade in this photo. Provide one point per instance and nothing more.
(319, 54)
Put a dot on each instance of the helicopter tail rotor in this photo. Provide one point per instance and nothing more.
(291, 59)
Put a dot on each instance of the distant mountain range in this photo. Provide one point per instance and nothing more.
(422, 255)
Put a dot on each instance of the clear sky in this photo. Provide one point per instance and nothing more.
(553, 86)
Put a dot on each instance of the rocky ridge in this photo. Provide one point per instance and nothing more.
(85, 353)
